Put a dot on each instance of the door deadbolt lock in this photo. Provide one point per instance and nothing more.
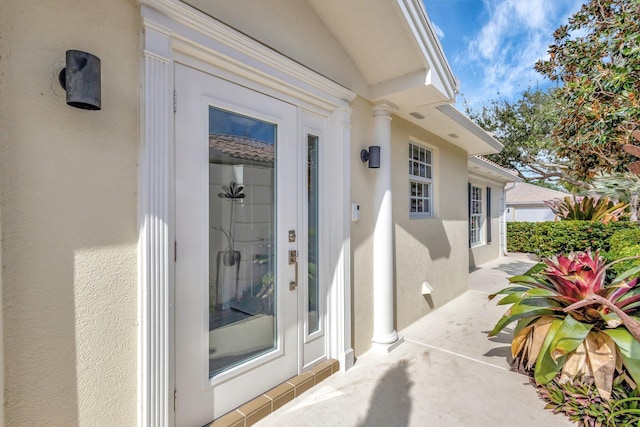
(292, 236)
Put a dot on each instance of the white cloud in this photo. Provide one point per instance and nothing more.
(438, 31)
(516, 33)
(532, 13)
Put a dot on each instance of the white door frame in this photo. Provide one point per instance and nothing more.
(202, 397)
(173, 31)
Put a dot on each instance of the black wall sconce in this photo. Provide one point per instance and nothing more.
(372, 156)
(81, 80)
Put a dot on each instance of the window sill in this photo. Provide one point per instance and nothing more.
(416, 215)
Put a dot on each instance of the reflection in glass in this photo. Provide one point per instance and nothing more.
(312, 200)
(241, 239)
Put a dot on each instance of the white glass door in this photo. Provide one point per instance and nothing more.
(236, 299)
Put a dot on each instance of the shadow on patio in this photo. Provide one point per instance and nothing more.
(446, 373)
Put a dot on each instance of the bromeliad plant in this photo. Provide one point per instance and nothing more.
(573, 323)
(587, 208)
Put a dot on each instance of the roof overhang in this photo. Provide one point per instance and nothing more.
(483, 168)
(394, 46)
(449, 123)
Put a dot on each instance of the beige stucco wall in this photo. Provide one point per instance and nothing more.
(430, 249)
(479, 255)
(292, 28)
(362, 230)
(69, 209)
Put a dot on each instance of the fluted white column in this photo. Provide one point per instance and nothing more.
(155, 238)
(383, 248)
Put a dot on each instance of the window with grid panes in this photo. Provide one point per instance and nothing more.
(420, 181)
(475, 216)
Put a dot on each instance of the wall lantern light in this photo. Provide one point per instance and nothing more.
(372, 156)
(81, 80)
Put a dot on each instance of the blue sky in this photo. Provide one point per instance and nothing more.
(492, 45)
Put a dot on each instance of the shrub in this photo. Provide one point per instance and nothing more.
(622, 244)
(561, 237)
(520, 237)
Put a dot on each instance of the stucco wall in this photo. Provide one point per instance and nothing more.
(430, 249)
(292, 28)
(68, 183)
(362, 230)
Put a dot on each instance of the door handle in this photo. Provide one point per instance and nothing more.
(293, 260)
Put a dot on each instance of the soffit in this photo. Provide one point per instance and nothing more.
(484, 168)
(393, 45)
(374, 35)
(454, 127)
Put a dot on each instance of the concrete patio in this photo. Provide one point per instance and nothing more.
(446, 373)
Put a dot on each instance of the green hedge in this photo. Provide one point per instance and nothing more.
(561, 237)
(624, 243)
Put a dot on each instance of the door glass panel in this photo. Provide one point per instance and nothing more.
(312, 199)
(242, 256)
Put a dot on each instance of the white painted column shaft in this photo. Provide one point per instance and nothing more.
(383, 247)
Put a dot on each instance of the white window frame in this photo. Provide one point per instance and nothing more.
(428, 180)
(476, 210)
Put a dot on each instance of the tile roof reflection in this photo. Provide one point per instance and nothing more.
(241, 148)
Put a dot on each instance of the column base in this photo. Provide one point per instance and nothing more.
(387, 347)
(385, 338)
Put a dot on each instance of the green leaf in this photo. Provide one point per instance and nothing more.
(517, 312)
(569, 335)
(537, 268)
(630, 350)
(549, 302)
(631, 272)
(512, 298)
(536, 296)
(544, 350)
(528, 280)
(541, 292)
(509, 290)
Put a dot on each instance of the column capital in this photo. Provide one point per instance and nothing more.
(384, 108)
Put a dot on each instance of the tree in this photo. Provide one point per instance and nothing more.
(524, 127)
(621, 186)
(596, 57)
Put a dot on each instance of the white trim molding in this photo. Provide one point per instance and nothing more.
(155, 230)
(339, 318)
(174, 32)
(428, 43)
